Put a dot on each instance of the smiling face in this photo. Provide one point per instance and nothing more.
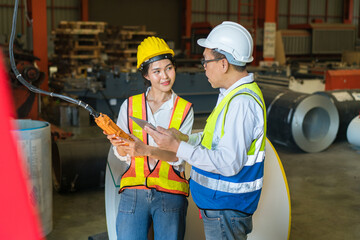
(161, 74)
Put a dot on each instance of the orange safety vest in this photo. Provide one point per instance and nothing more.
(163, 177)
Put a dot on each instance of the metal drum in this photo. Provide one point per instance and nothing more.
(307, 121)
(34, 140)
(347, 103)
(79, 163)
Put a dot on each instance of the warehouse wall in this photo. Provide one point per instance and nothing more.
(57, 10)
(215, 12)
(161, 16)
(165, 16)
(296, 12)
(6, 14)
(289, 11)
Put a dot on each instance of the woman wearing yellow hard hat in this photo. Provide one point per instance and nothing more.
(152, 190)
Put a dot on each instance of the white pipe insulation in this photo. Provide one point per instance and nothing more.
(353, 132)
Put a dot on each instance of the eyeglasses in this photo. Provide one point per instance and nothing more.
(204, 62)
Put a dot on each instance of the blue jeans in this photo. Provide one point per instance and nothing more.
(226, 224)
(139, 207)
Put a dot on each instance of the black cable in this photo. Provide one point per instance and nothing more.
(31, 87)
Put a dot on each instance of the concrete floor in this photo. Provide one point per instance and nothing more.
(324, 190)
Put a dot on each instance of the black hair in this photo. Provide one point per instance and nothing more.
(220, 55)
(145, 71)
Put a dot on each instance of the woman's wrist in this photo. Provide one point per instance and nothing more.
(150, 152)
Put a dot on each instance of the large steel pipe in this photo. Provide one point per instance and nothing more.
(353, 132)
(79, 163)
(299, 120)
(347, 103)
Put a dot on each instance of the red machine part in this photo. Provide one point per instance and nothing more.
(342, 79)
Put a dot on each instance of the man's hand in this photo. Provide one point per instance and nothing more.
(167, 139)
(179, 135)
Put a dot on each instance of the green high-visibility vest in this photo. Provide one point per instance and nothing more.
(251, 89)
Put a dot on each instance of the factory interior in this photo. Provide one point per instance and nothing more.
(306, 63)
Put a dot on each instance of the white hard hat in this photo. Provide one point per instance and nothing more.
(232, 40)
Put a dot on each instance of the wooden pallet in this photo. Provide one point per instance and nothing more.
(131, 34)
(78, 43)
(135, 28)
(128, 53)
(120, 44)
(80, 28)
(85, 25)
(114, 31)
(76, 46)
(60, 38)
(79, 54)
(78, 31)
(135, 35)
(126, 66)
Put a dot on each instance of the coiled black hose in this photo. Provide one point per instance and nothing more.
(31, 87)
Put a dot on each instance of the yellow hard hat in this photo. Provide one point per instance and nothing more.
(152, 49)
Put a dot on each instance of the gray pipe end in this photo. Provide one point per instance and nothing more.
(315, 123)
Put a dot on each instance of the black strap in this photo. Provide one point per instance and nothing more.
(156, 58)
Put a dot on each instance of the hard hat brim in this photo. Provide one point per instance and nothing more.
(204, 43)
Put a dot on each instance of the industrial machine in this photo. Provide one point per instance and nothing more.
(106, 89)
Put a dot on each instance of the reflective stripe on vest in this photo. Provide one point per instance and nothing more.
(136, 176)
(233, 186)
(163, 176)
(224, 186)
(166, 179)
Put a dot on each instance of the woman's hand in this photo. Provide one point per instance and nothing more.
(124, 146)
(136, 148)
(114, 140)
(118, 142)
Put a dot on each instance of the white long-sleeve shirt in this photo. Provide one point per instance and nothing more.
(160, 118)
(244, 122)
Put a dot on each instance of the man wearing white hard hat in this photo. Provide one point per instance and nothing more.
(227, 158)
